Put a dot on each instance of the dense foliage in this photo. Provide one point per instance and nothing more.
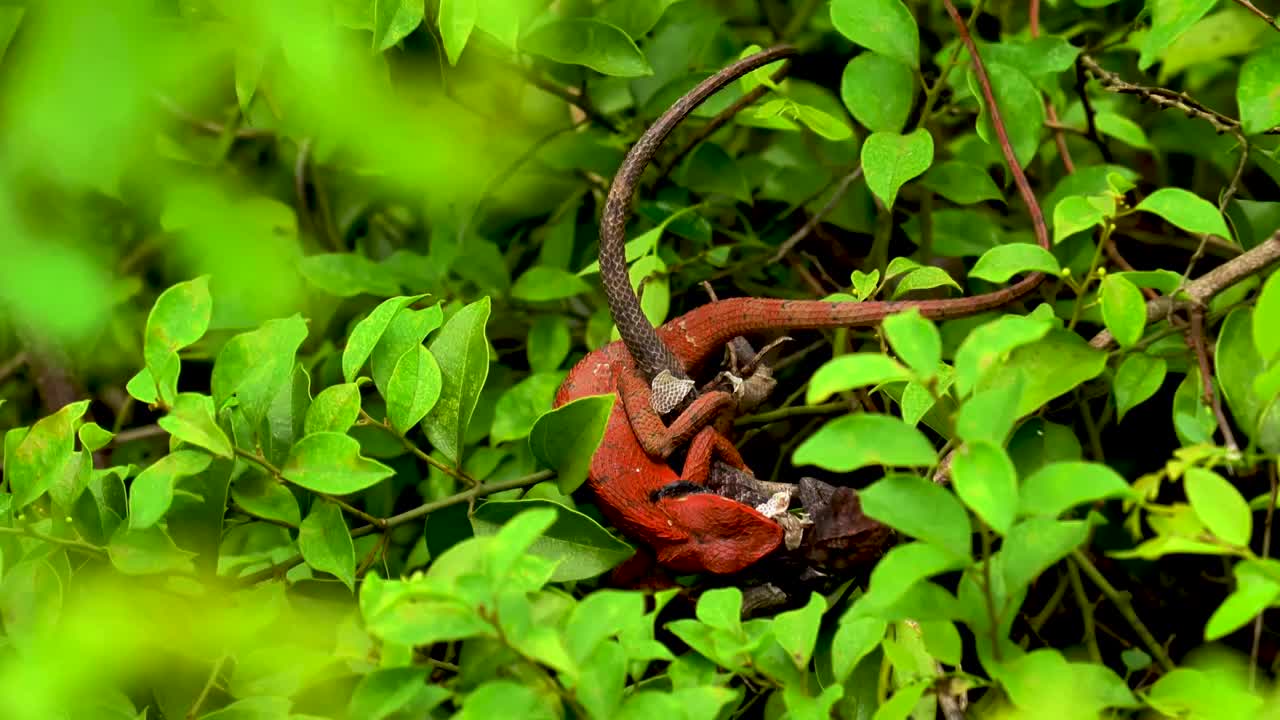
(288, 287)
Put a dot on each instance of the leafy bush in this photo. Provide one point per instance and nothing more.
(289, 288)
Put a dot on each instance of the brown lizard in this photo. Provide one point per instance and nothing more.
(634, 486)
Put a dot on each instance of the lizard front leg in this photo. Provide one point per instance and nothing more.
(657, 438)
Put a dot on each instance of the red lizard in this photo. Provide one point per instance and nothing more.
(692, 531)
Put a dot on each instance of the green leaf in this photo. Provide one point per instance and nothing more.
(855, 370)
(987, 482)
(1237, 365)
(921, 509)
(147, 551)
(1193, 420)
(961, 182)
(255, 366)
(325, 542)
(1124, 309)
(1220, 35)
(721, 609)
(366, 334)
(924, 278)
(502, 698)
(709, 170)
(456, 19)
(191, 421)
(541, 283)
(179, 318)
(335, 409)
(983, 348)
(889, 160)
(883, 26)
(522, 404)
(1004, 261)
(989, 414)
(904, 698)
(856, 441)
(393, 20)
(1258, 91)
(915, 339)
(1047, 368)
(1186, 210)
(92, 435)
(823, 123)
(1256, 589)
(414, 388)
(548, 343)
(797, 630)
(582, 41)
(1190, 692)
(462, 352)
(566, 438)
(407, 329)
(389, 691)
(581, 548)
(1020, 107)
(348, 275)
(1123, 129)
(1036, 544)
(330, 462)
(151, 493)
(1076, 213)
(263, 496)
(1219, 505)
(1137, 379)
(854, 639)
(1060, 486)
(864, 284)
(1169, 19)
(878, 91)
(634, 17)
(37, 459)
(1266, 318)
(901, 568)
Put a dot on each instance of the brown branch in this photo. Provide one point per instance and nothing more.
(1254, 9)
(13, 364)
(1059, 138)
(1164, 98)
(1204, 288)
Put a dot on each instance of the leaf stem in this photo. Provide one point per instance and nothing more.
(1121, 601)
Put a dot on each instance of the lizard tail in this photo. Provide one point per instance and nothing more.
(651, 355)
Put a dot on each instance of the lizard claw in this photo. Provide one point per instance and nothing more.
(668, 392)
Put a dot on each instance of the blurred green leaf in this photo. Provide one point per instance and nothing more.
(583, 41)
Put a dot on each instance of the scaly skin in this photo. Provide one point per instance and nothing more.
(693, 531)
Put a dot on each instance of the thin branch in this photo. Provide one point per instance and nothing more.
(1203, 289)
(567, 95)
(1196, 339)
(13, 364)
(1266, 552)
(1051, 115)
(1164, 98)
(1090, 115)
(814, 220)
(138, 433)
(1121, 602)
(1254, 9)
